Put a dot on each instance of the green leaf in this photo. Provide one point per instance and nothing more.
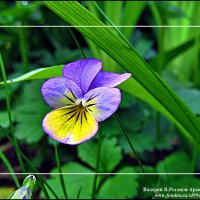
(74, 183)
(145, 84)
(131, 19)
(4, 121)
(40, 73)
(141, 142)
(148, 181)
(120, 186)
(174, 52)
(30, 108)
(110, 154)
(178, 162)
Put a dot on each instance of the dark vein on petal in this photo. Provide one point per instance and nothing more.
(72, 94)
(71, 117)
(69, 98)
(81, 118)
(66, 113)
(73, 107)
(77, 117)
(70, 111)
(89, 109)
(85, 115)
(92, 97)
(92, 104)
(67, 120)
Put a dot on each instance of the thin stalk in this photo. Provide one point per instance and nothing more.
(79, 193)
(41, 182)
(94, 186)
(10, 168)
(9, 113)
(129, 142)
(60, 171)
(196, 60)
(23, 44)
(77, 43)
(160, 59)
(23, 48)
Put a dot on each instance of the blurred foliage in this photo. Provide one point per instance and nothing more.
(158, 143)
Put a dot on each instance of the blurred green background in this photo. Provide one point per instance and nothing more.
(172, 52)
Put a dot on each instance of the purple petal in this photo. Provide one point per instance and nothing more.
(108, 79)
(82, 72)
(60, 92)
(102, 102)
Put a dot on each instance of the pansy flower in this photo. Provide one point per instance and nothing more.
(84, 96)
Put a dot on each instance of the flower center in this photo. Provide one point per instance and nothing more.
(80, 106)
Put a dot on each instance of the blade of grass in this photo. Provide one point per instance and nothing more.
(174, 52)
(77, 43)
(129, 142)
(132, 12)
(79, 193)
(23, 44)
(113, 10)
(94, 186)
(147, 82)
(41, 182)
(160, 57)
(24, 48)
(41, 73)
(49, 72)
(9, 113)
(10, 168)
(60, 171)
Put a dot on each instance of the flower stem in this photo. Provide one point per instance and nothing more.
(97, 166)
(60, 171)
(77, 43)
(129, 142)
(40, 180)
(9, 113)
(10, 168)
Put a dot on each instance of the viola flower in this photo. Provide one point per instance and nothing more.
(81, 98)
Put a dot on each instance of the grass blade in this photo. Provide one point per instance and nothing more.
(9, 114)
(148, 83)
(129, 142)
(131, 19)
(10, 168)
(94, 186)
(41, 73)
(60, 171)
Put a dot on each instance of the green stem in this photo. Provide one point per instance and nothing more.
(129, 142)
(160, 58)
(60, 171)
(97, 166)
(32, 168)
(77, 43)
(10, 168)
(23, 43)
(79, 193)
(23, 48)
(9, 113)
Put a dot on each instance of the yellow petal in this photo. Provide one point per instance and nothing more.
(70, 125)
